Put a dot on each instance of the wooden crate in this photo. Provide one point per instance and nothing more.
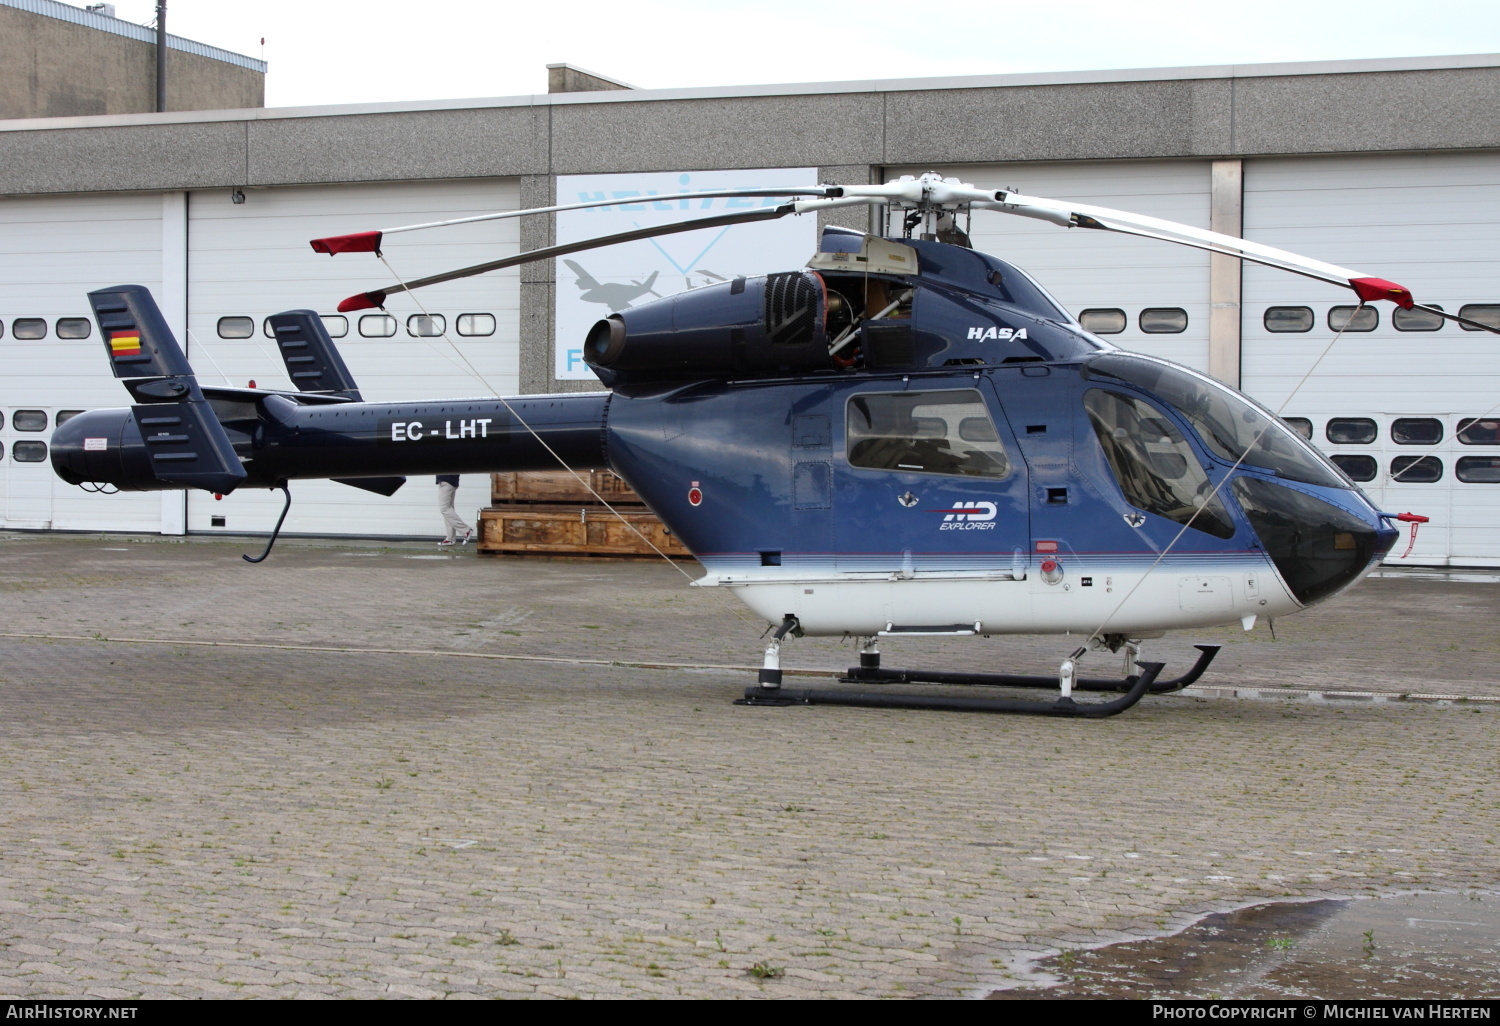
(559, 488)
(574, 532)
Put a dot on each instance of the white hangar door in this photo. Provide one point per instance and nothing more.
(53, 251)
(1157, 292)
(250, 260)
(1389, 399)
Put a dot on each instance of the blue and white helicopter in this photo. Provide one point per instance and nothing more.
(905, 437)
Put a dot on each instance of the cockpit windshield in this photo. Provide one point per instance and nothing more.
(1230, 425)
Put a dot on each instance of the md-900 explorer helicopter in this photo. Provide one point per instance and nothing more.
(905, 437)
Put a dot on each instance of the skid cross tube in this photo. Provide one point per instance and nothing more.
(875, 675)
(1139, 685)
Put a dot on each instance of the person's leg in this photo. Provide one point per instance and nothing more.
(451, 520)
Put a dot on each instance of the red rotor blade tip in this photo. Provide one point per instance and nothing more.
(362, 301)
(359, 242)
(1371, 289)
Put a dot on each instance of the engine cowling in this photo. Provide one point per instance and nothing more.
(760, 327)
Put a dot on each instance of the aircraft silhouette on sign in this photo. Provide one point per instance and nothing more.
(905, 437)
(616, 295)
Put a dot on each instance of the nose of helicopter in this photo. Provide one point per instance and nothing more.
(1321, 540)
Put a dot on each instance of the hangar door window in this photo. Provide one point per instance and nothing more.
(1484, 313)
(476, 325)
(1103, 322)
(337, 325)
(1301, 425)
(236, 327)
(1288, 318)
(29, 452)
(1351, 431)
(29, 420)
(1416, 431)
(73, 327)
(377, 326)
(1416, 319)
(1478, 469)
(426, 325)
(28, 328)
(1353, 318)
(926, 433)
(1163, 320)
(1358, 467)
(1479, 431)
(1416, 469)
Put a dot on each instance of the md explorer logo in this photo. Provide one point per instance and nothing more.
(1001, 334)
(969, 516)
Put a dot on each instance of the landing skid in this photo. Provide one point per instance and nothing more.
(1134, 686)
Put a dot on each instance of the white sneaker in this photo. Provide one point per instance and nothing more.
(469, 534)
(446, 544)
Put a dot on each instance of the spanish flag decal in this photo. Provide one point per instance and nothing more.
(125, 343)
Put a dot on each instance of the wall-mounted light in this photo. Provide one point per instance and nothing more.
(237, 196)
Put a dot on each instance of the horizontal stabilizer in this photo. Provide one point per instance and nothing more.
(378, 485)
(187, 446)
(312, 360)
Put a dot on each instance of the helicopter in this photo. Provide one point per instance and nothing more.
(905, 437)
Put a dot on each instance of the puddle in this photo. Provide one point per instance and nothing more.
(1408, 946)
(426, 557)
(1463, 575)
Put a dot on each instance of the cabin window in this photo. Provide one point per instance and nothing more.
(1479, 431)
(29, 452)
(1416, 319)
(1301, 425)
(1353, 318)
(476, 325)
(1163, 320)
(236, 327)
(1358, 467)
(1416, 431)
(926, 433)
(1103, 322)
(63, 416)
(29, 420)
(1478, 469)
(1351, 431)
(1153, 463)
(426, 325)
(1288, 318)
(28, 328)
(1230, 425)
(73, 327)
(1416, 469)
(337, 325)
(1484, 313)
(377, 326)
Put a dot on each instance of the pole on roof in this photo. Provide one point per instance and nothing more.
(161, 55)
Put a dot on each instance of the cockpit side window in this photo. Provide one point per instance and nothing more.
(1231, 426)
(1154, 465)
(947, 432)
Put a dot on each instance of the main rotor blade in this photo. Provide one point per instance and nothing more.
(1368, 288)
(377, 297)
(369, 242)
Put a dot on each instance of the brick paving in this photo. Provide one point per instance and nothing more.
(179, 820)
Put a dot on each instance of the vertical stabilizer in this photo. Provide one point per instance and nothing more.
(186, 442)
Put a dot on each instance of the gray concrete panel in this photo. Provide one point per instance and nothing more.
(858, 218)
(489, 142)
(1072, 122)
(778, 131)
(1409, 110)
(190, 156)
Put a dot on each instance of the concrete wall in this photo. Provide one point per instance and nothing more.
(51, 68)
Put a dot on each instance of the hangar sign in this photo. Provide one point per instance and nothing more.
(593, 284)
